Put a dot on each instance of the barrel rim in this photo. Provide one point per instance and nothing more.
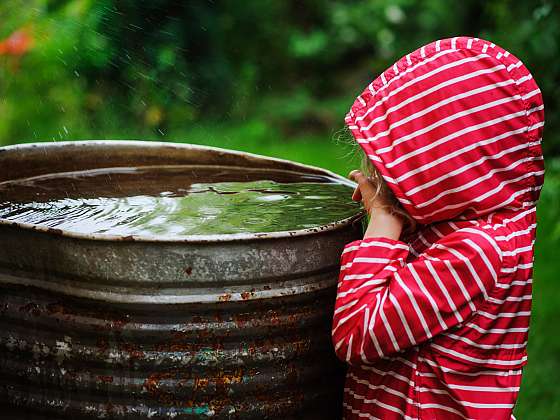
(213, 238)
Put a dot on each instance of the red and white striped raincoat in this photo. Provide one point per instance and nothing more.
(434, 325)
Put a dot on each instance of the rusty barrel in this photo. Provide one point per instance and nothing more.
(224, 326)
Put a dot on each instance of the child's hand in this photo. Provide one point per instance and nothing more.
(365, 192)
(382, 222)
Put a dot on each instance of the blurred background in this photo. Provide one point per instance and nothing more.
(271, 77)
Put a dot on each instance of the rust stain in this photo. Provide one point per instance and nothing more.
(152, 385)
(200, 383)
(225, 297)
(105, 379)
(55, 308)
(132, 351)
(118, 324)
(102, 344)
(31, 308)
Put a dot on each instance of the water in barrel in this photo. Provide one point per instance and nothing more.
(175, 201)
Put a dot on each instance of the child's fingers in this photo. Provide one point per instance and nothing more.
(357, 195)
(364, 184)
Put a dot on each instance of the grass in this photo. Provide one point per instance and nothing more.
(255, 137)
(540, 394)
(317, 150)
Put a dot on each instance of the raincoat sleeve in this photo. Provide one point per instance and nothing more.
(385, 305)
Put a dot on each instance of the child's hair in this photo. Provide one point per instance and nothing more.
(392, 204)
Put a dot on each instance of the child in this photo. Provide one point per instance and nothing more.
(433, 320)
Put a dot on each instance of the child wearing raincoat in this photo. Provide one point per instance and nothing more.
(433, 304)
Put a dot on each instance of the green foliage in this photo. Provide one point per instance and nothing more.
(120, 68)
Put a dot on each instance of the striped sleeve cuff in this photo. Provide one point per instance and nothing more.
(385, 248)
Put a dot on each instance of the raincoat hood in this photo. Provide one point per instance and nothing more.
(455, 130)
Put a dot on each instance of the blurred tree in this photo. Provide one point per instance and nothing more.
(144, 69)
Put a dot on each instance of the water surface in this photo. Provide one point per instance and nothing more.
(177, 201)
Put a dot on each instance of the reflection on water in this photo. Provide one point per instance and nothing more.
(173, 202)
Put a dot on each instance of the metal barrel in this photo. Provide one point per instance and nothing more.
(228, 326)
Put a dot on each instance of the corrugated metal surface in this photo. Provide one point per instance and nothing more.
(230, 327)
